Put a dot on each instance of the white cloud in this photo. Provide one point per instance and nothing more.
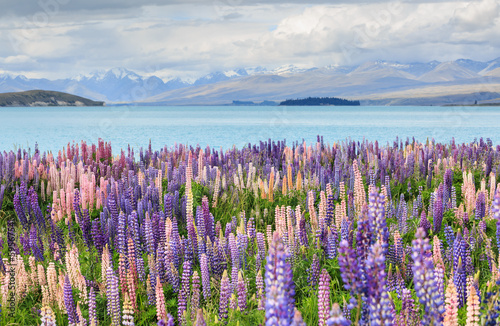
(184, 40)
(474, 16)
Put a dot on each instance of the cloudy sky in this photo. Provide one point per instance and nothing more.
(189, 38)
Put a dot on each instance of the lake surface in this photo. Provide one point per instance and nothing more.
(53, 127)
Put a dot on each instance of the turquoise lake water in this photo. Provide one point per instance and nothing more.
(53, 127)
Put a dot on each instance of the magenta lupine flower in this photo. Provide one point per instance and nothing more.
(225, 294)
(113, 297)
(425, 284)
(242, 292)
(205, 276)
(280, 289)
(69, 304)
(323, 297)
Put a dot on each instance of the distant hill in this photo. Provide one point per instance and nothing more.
(44, 98)
(372, 83)
(319, 101)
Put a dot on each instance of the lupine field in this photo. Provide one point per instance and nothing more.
(275, 233)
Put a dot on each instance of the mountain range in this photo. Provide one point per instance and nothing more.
(461, 81)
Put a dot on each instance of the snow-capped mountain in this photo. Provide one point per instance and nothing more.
(289, 70)
(114, 85)
(220, 76)
(120, 85)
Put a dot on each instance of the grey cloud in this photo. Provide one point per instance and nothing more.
(28, 8)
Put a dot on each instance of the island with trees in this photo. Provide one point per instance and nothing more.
(320, 101)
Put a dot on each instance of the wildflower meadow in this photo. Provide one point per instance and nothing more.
(273, 233)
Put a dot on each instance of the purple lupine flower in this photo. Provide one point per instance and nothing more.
(19, 209)
(205, 276)
(184, 292)
(424, 223)
(235, 260)
(280, 289)
(337, 317)
(408, 314)
(192, 237)
(242, 292)
(438, 215)
(225, 294)
(379, 303)
(297, 319)
(345, 228)
(86, 227)
(495, 207)
(261, 250)
(480, 206)
(402, 215)
(140, 269)
(195, 293)
(251, 229)
(200, 320)
(36, 211)
(459, 273)
(200, 223)
(313, 272)
(76, 206)
(175, 244)
(449, 235)
(425, 284)
(2, 191)
(332, 242)
(346, 310)
(113, 297)
(92, 308)
(259, 284)
(323, 297)
(439, 276)
(169, 322)
(242, 244)
(349, 269)
(37, 252)
(69, 304)
(149, 236)
(302, 232)
(161, 262)
(97, 236)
